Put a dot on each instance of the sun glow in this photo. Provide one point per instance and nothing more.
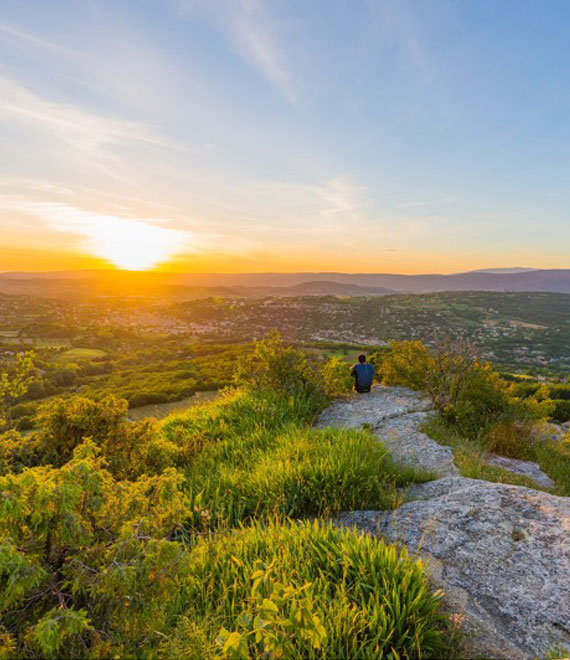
(127, 243)
(133, 244)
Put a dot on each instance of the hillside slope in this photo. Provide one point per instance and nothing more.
(499, 551)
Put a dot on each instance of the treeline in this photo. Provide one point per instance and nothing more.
(161, 373)
(557, 393)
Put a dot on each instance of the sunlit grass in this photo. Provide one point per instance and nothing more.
(365, 599)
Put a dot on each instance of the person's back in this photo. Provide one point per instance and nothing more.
(363, 374)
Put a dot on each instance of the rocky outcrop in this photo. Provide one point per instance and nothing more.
(395, 414)
(526, 468)
(501, 553)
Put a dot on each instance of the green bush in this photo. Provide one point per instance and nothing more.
(276, 366)
(64, 423)
(465, 391)
(74, 539)
(561, 410)
(306, 591)
(336, 378)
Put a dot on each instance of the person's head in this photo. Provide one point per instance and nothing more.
(362, 358)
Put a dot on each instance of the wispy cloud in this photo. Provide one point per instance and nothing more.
(85, 131)
(396, 23)
(251, 33)
(16, 35)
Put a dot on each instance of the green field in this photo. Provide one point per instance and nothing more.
(74, 354)
(162, 410)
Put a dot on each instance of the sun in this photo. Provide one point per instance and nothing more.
(133, 244)
(127, 243)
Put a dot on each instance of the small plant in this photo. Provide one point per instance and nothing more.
(336, 378)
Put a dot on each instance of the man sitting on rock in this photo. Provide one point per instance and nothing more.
(363, 374)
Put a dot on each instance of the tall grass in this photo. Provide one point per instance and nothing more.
(254, 455)
(300, 472)
(310, 590)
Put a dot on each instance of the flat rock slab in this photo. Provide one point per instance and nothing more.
(500, 552)
(373, 408)
(395, 414)
(526, 468)
(409, 446)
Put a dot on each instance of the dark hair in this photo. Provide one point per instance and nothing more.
(362, 358)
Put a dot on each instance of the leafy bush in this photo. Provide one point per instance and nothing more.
(561, 410)
(336, 378)
(16, 376)
(306, 591)
(465, 391)
(74, 539)
(276, 366)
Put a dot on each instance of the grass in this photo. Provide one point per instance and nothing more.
(552, 457)
(312, 591)
(74, 354)
(254, 456)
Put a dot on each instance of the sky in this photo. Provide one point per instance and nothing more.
(399, 136)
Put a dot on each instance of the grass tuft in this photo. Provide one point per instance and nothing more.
(309, 590)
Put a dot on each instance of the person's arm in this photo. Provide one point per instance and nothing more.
(353, 371)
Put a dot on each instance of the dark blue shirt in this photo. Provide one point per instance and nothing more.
(364, 374)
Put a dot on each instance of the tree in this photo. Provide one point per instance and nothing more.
(14, 382)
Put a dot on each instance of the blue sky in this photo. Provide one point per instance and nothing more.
(248, 135)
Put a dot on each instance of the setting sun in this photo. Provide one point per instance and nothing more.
(133, 244)
(127, 243)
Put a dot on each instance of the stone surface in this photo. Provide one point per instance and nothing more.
(411, 447)
(395, 414)
(374, 407)
(501, 553)
(526, 468)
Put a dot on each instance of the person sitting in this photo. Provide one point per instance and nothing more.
(363, 374)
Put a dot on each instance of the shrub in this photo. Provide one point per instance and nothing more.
(73, 539)
(276, 366)
(306, 591)
(336, 378)
(465, 391)
(16, 377)
(65, 423)
(16, 452)
(561, 410)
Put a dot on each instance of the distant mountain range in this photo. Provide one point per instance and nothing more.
(180, 286)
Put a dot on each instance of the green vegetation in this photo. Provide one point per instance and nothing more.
(126, 539)
(465, 391)
(307, 591)
(479, 412)
(74, 354)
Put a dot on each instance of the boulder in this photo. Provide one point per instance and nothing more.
(526, 468)
(500, 552)
(373, 408)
